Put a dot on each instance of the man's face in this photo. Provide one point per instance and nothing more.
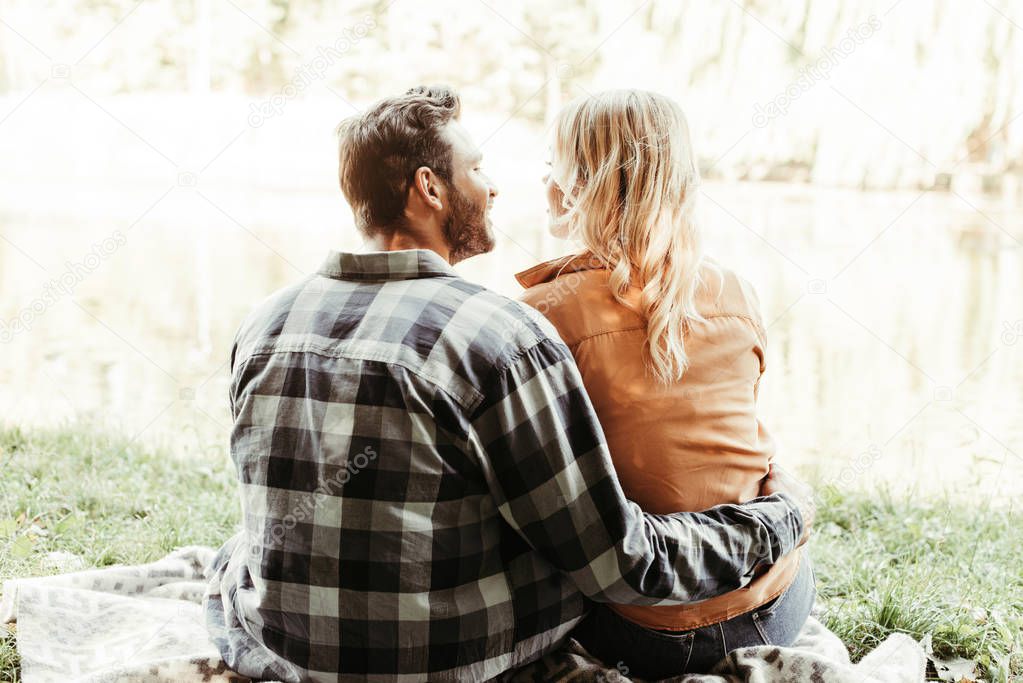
(468, 229)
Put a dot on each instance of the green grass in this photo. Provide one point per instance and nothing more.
(883, 564)
(951, 570)
(104, 499)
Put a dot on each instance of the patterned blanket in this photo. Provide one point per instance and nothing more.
(144, 623)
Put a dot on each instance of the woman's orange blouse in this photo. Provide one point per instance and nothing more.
(687, 446)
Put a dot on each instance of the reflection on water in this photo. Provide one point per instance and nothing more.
(895, 338)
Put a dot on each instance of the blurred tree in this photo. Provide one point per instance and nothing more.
(934, 82)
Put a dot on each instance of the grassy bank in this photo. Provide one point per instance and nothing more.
(883, 565)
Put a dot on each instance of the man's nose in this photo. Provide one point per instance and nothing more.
(493, 190)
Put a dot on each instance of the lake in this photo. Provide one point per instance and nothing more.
(895, 319)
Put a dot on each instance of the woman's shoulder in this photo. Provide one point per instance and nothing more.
(572, 292)
(723, 292)
(566, 273)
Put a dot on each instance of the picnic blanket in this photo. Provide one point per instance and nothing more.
(145, 623)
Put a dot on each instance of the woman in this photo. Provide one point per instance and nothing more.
(671, 350)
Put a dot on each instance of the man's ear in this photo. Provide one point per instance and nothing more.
(426, 185)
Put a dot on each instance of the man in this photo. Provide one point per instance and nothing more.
(426, 491)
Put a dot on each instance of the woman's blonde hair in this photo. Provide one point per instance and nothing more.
(624, 161)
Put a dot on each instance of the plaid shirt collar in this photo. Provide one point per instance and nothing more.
(406, 264)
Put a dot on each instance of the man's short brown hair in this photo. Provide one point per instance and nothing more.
(380, 150)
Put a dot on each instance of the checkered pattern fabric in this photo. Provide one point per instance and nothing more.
(426, 491)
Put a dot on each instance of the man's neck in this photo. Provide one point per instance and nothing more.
(397, 241)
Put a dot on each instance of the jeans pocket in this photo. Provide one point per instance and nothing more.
(655, 654)
(780, 621)
(774, 605)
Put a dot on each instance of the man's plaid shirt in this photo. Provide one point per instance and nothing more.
(426, 491)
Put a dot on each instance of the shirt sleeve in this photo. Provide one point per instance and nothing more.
(547, 465)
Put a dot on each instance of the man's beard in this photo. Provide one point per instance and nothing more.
(465, 229)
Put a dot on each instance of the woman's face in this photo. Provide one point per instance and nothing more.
(555, 208)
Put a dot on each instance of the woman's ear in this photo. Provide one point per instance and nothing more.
(428, 188)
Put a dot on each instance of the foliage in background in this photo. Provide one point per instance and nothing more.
(933, 85)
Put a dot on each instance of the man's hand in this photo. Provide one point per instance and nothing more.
(780, 480)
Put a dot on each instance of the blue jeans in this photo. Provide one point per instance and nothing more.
(653, 654)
